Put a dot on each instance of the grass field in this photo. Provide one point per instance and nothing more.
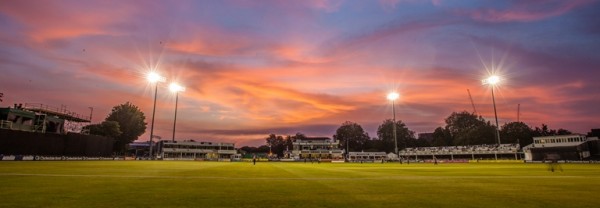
(241, 184)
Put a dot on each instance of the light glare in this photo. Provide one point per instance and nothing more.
(174, 87)
(154, 77)
(393, 96)
(492, 80)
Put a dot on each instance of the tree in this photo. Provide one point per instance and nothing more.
(131, 123)
(109, 129)
(469, 129)
(353, 135)
(441, 137)
(514, 132)
(277, 144)
(252, 150)
(262, 149)
(563, 132)
(422, 143)
(374, 145)
(289, 143)
(545, 131)
(406, 137)
(298, 136)
(247, 149)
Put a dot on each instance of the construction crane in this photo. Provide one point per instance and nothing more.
(472, 103)
(519, 112)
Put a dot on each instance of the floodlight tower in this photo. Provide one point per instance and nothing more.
(154, 78)
(175, 88)
(393, 96)
(493, 81)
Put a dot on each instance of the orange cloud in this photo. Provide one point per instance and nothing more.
(48, 20)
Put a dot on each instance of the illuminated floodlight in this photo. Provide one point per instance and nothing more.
(154, 77)
(174, 87)
(393, 96)
(492, 80)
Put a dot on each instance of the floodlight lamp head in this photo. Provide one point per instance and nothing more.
(393, 96)
(492, 80)
(154, 77)
(174, 87)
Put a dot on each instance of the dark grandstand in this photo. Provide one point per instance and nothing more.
(36, 129)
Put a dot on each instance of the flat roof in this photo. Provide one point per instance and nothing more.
(315, 138)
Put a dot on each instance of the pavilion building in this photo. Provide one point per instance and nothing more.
(192, 150)
(563, 147)
(316, 147)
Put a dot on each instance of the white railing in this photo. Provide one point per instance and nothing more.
(321, 151)
(317, 143)
(183, 150)
(471, 149)
(227, 152)
(63, 110)
(6, 124)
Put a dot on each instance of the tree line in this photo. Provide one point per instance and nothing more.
(461, 128)
(275, 144)
(126, 122)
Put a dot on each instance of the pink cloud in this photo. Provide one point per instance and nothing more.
(525, 11)
(326, 5)
(48, 20)
(209, 40)
(320, 5)
(390, 5)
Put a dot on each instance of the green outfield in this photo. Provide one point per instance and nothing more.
(241, 184)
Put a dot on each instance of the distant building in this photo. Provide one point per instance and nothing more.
(367, 156)
(139, 149)
(191, 150)
(567, 147)
(493, 151)
(316, 147)
(594, 133)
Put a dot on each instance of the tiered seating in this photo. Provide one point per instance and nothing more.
(502, 148)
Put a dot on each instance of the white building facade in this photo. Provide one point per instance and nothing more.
(367, 156)
(567, 147)
(316, 148)
(192, 150)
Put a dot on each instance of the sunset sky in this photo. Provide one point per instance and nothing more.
(257, 67)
